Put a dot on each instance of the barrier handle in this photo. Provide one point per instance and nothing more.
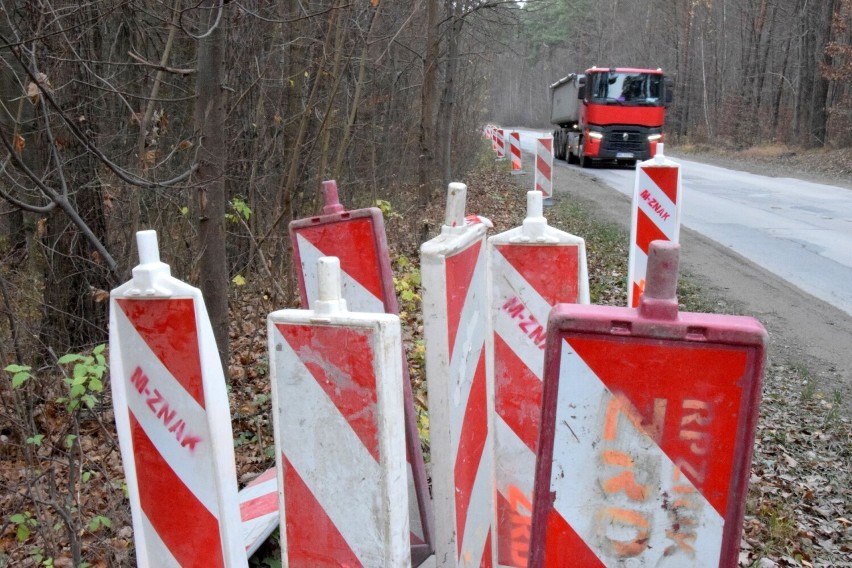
(330, 298)
(659, 299)
(331, 198)
(456, 196)
(534, 223)
(150, 275)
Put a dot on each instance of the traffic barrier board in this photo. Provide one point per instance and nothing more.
(358, 239)
(169, 398)
(515, 147)
(648, 427)
(501, 144)
(338, 404)
(655, 215)
(523, 289)
(460, 399)
(544, 166)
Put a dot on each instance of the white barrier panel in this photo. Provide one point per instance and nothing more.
(358, 239)
(454, 321)
(337, 407)
(515, 147)
(544, 166)
(648, 423)
(173, 423)
(531, 269)
(655, 216)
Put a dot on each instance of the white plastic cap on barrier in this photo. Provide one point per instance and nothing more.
(535, 223)
(454, 216)
(660, 157)
(149, 270)
(330, 297)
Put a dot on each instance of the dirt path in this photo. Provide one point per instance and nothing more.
(803, 331)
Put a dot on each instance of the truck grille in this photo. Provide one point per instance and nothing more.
(625, 141)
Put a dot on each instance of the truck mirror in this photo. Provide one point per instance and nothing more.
(669, 84)
(581, 92)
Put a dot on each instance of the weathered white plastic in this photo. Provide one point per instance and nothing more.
(659, 208)
(366, 500)
(455, 307)
(329, 300)
(528, 273)
(544, 167)
(209, 467)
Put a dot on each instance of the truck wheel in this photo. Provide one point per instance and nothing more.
(572, 157)
(584, 161)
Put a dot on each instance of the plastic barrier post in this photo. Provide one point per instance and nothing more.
(501, 144)
(338, 404)
(544, 167)
(515, 146)
(358, 239)
(655, 216)
(531, 268)
(648, 427)
(460, 408)
(169, 398)
(494, 138)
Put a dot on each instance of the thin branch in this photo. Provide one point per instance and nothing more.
(159, 67)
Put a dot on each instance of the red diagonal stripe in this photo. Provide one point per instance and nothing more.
(487, 560)
(637, 292)
(647, 231)
(183, 523)
(553, 271)
(518, 393)
(341, 361)
(312, 538)
(471, 446)
(460, 268)
(259, 506)
(353, 243)
(542, 166)
(665, 178)
(168, 328)
(564, 548)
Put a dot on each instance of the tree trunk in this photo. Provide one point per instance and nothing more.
(210, 182)
(426, 135)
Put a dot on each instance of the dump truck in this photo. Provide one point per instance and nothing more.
(613, 114)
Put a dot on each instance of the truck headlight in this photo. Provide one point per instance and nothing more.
(596, 135)
(654, 137)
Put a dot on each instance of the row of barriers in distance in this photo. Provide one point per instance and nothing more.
(562, 433)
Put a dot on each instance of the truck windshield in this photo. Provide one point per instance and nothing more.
(627, 88)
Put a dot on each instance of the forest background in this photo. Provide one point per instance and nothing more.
(215, 121)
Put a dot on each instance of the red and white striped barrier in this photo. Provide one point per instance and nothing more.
(501, 144)
(523, 262)
(648, 426)
(515, 148)
(358, 239)
(655, 216)
(460, 409)
(493, 136)
(338, 405)
(170, 398)
(544, 166)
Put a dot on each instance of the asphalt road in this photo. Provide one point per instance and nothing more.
(797, 230)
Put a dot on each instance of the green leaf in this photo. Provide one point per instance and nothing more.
(17, 518)
(70, 358)
(35, 440)
(239, 280)
(96, 384)
(13, 368)
(99, 349)
(22, 533)
(69, 440)
(20, 378)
